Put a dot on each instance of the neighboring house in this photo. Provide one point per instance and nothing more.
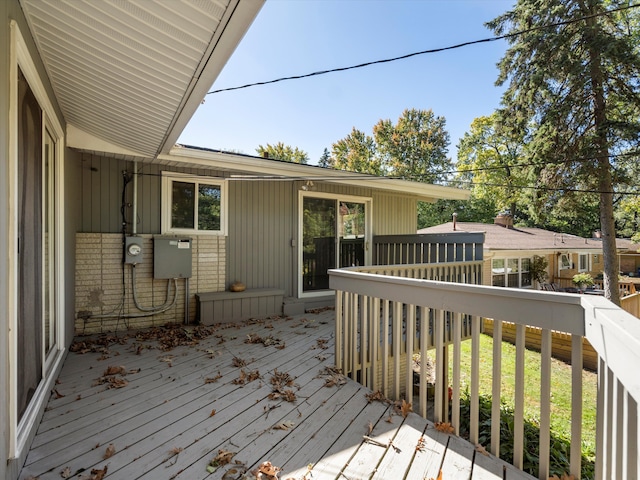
(93, 98)
(508, 252)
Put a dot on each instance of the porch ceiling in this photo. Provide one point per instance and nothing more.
(128, 76)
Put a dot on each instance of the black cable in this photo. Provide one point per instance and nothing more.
(424, 52)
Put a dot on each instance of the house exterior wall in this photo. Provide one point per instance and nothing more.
(260, 249)
(104, 285)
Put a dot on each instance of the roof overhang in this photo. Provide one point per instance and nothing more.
(249, 168)
(128, 76)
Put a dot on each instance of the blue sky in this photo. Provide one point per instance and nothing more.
(293, 37)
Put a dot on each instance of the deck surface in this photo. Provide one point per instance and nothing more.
(175, 410)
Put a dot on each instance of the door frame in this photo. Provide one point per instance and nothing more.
(21, 431)
(368, 215)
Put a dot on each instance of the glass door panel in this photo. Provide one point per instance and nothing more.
(318, 242)
(49, 252)
(352, 233)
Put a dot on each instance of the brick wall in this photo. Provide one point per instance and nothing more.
(104, 285)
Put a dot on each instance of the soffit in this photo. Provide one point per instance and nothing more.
(132, 73)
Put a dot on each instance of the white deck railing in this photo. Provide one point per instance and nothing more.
(380, 317)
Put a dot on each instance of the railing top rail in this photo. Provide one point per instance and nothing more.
(453, 237)
(615, 335)
(556, 311)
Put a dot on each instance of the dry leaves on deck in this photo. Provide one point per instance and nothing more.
(444, 427)
(224, 457)
(213, 379)
(285, 425)
(279, 381)
(404, 408)
(66, 473)
(110, 451)
(332, 376)
(421, 445)
(439, 476)
(267, 341)
(377, 396)
(266, 471)
(482, 450)
(246, 377)
(96, 474)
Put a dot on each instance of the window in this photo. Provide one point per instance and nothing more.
(192, 204)
(511, 272)
(583, 262)
(565, 261)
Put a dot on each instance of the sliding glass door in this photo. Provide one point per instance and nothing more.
(334, 234)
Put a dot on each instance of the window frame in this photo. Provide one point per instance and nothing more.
(561, 263)
(506, 271)
(166, 192)
(587, 258)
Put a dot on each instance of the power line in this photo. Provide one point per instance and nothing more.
(543, 188)
(423, 52)
(535, 164)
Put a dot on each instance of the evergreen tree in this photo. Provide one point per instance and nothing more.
(572, 71)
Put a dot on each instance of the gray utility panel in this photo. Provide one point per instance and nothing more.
(171, 257)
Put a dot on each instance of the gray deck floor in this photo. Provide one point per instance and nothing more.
(182, 407)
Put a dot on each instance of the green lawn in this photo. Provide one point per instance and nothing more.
(560, 387)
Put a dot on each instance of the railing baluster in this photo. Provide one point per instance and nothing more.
(576, 406)
(518, 413)
(455, 409)
(424, 344)
(545, 403)
(339, 329)
(496, 384)
(475, 380)
(438, 328)
(364, 341)
(410, 335)
(397, 339)
(354, 337)
(375, 344)
(385, 347)
(348, 327)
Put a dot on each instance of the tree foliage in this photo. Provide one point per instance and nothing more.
(572, 71)
(414, 148)
(286, 153)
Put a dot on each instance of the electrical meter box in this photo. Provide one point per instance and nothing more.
(171, 257)
(133, 250)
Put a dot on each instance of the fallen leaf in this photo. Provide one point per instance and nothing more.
(389, 419)
(98, 474)
(377, 397)
(285, 425)
(369, 428)
(57, 393)
(405, 408)
(444, 427)
(66, 473)
(213, 379)
(421, 445)
(174, 451)
(481, 449)
(213, 412)
(114, 370)
(266, 468)
(110, 451)
(223, 458)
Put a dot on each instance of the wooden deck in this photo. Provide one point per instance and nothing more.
(182, 407)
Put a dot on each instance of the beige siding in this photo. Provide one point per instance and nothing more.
(394, 215)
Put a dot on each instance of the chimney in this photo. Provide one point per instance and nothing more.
(455, 217)
(597, 234)
(504, 220)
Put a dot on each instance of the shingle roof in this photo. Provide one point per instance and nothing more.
(498, 237)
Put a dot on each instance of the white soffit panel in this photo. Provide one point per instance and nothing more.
(123, 70)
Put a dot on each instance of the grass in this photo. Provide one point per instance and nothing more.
(560, 388)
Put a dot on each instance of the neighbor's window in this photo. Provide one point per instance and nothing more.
(192, 204)
(565, 261)
(583, 262)
(511, 272)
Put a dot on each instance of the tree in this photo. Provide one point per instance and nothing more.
(415, 148)
(286, 153)
(489, 158)
(325, 160)
(356, 153)
(573, 94)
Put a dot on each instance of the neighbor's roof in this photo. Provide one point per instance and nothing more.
(251, 168)
(128, 76)
(498, 237)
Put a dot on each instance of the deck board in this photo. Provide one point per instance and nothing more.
(166, 408)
